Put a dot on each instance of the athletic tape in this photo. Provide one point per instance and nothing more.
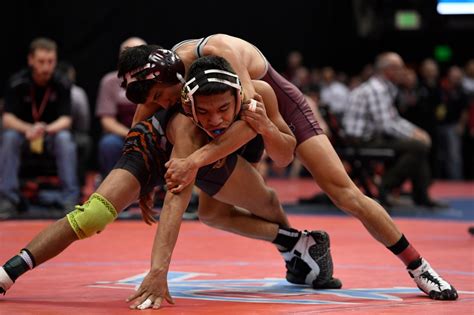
(253, 105)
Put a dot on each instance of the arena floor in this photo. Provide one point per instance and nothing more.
(214, 272)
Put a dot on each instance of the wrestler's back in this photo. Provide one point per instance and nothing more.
(248, 53)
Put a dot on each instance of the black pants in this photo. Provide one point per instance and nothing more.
(411, 162)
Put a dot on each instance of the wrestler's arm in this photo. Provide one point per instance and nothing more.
(278, 138)
(154, 286)
(238, 134)
(144, 111)
(279, 141)
(233, 56)
(186, 139)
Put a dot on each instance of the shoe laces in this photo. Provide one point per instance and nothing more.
(428, 275)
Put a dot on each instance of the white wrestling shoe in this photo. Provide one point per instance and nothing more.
(5, 281)
(431, 283)
(310, 262)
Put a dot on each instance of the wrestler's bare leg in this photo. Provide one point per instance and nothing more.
(261, 217)
(226, 217)
(246, 189)
(320, 159)
(120, 188)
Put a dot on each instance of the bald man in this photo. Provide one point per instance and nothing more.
(116, 114)
(372, 120)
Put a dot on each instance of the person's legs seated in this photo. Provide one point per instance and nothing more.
(64, 150)
(110, 149)
(10, 152)
(411, 163)
(84, 148)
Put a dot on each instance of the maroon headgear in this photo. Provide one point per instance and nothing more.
(163, 66)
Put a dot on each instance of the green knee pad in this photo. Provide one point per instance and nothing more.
(92, 216)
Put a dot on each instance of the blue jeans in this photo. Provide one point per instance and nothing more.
(60, 145)
(449, 153)
(110, 150)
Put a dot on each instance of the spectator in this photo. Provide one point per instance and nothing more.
(429, 98)
(367, 72)
(334, 94)
(80, 114)
(408, 99)
(468, 140)
(301, 78)
(294, 61)
(116, 115)
(451, 118)
(371, 120)
(468, 79)
(38, 110)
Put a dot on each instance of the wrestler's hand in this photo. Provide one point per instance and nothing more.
(180, 173)
(256, 115)
(146, 206)
(152, 291)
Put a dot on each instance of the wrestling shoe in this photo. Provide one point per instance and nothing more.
(310, 262)
(5, 281)
(431, 283)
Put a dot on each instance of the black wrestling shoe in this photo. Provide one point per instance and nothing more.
(311, 262)
(471, 230)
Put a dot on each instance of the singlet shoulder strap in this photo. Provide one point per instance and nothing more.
(200, 46)
(265, 70)
(200, 43)
(184, 42)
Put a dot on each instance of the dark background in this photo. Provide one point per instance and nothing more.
(344, 34)
(327, 32)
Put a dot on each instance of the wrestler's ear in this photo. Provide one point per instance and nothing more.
(187, 110)
(186, 103)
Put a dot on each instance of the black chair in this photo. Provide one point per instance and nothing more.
(364, 163)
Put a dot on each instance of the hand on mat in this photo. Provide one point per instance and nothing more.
(146, 206)
(152, 292)
(180, 173)
(255, 115)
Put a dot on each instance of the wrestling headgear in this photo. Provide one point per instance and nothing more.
(164, 66)
(202, 79)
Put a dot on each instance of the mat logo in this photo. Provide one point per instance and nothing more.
(198, 286)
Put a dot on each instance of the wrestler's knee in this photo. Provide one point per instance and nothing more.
(273, 201)
(271, 208)
(92, 217)
(209, 217)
